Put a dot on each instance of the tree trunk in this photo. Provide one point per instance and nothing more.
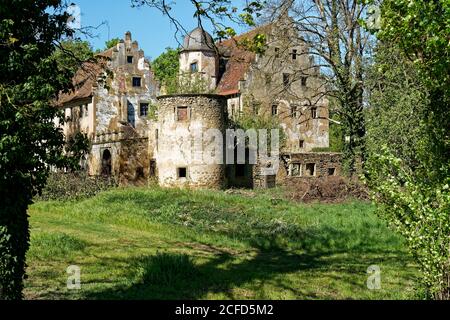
(14, 243)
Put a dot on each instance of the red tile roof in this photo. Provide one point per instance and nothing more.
(86, 78)
(240, 60)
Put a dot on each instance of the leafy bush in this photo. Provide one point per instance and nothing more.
(75, 185)
(166, 269)
(49, 245)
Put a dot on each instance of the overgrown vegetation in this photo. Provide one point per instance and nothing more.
(409, 168)
(155, 243)
(31, 77)
(76, 185)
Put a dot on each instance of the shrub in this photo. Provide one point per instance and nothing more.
(74, 186)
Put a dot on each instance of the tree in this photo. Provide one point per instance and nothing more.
(70, 52)
(339, 44)
(409, 172)
(30, 144)
(111, 43)
(166, 66)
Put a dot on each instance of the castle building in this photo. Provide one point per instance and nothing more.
(138, 134)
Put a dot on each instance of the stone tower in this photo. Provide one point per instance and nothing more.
(188, 129)
(198, 56)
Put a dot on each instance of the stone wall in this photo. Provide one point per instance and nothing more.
(183, 121)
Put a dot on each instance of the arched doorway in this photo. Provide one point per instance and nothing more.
(106, 163)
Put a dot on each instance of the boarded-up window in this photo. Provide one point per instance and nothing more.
(296, 169)
(310, 169)
(182, 113)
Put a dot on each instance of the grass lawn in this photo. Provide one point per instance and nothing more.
(152, 243)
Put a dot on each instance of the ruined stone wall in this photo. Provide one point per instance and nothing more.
(325, 165)
(297, 166)
(181, 162)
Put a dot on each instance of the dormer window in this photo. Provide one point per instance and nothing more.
(136, 81)
(129, 59)
(194, 67)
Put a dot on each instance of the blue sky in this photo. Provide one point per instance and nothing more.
(148, 26)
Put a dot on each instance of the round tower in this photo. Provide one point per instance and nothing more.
(198, 56)
(189, 144)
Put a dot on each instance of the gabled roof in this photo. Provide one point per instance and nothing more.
(85, 78)
(239, 60)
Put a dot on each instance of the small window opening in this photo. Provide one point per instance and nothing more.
(277, 52)
(194, 67)
(152, 170)
(304, 81)
(294, 54)
(296, 170)
(286, 79)
(136, 81)
(314, 113)
(182, 113)
(301, 144)
(129, 59)
(182, 173)
(310, 169)
(143, 109)
(331, 171)
(274, 109)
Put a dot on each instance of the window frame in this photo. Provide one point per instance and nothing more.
(141, 104)
(133, 82)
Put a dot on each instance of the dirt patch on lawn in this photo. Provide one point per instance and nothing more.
(329, 189)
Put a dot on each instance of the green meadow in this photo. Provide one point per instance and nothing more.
(154, 243)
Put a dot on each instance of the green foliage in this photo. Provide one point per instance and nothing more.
(111, 43)
(74, 186)
(248, 119)
(166, 66)
(409, 170)
(31, 77)
(225, 245)
(166, 270)
(54, 244)
(188, 83)
(70, 53)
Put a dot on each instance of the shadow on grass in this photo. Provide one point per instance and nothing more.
(177, 276)
(278, 247)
